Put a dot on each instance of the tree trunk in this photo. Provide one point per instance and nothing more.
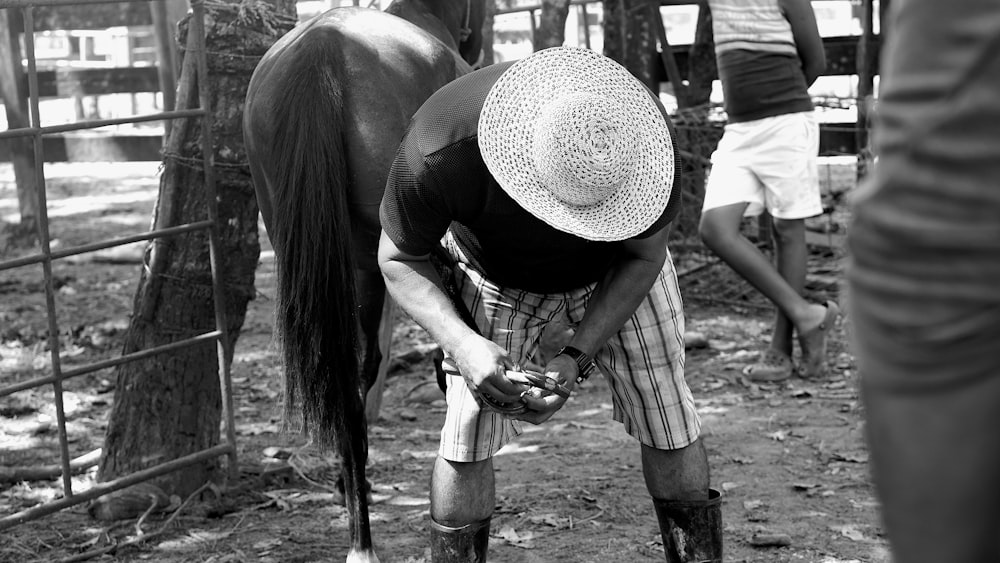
(166, 55)
(15, 100)
(169, 405)
(489, 17)
(551, 30)
(865, 63)
(630, 38)
(701, 59)
(695, 134)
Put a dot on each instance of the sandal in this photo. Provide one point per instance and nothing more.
(772, 366)
(813, 344)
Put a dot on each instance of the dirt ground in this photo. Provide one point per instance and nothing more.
(789, 457)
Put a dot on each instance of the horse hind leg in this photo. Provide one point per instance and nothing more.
(356, 487)
(356, 501)
(373, 398)
(357, 495)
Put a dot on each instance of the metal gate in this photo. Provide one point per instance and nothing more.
(47, 255)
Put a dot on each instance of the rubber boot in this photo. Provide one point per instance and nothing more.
(691, 529)
(460, 545)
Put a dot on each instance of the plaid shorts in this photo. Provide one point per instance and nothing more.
(643, 364)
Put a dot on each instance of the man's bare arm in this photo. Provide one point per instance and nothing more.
(621, 291)
(416, 286)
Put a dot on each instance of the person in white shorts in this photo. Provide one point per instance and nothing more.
(768, 53)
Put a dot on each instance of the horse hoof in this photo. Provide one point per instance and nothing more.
(362, 556)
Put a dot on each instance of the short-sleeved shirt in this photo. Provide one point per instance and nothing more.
(439, 180)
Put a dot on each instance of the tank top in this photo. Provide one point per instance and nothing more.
(758, 62)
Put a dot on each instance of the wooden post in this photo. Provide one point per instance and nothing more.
(166, 54)
(702, 70)
(866, 63)
(551, 31)
(15, 98)
(669, 63)
(488, 19)
(531, 15)
(630, 40)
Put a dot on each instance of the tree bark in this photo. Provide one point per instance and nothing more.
(701, 56)
(865, 63)
(169, 405)
(551, 30)
(15, 100)
(166, 56)
(488, 19)
(696, 135)
(630, 38)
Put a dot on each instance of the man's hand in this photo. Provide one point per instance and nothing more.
(543, 404)
(484, 364)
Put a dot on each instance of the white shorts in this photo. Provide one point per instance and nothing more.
(770, 163)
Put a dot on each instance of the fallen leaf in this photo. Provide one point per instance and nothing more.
(276, 452)
(714, 385)
(694, 339)
(553, 520)
(256, 428)
(267, 545)
(852, 458)
(770, 540)
(584, 425)
(411, 454)
(850, 531)
(510, 535)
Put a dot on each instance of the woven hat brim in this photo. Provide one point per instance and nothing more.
(514, 105)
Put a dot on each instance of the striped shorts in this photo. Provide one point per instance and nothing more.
(643, 364)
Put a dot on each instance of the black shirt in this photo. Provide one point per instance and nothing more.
(439, 180)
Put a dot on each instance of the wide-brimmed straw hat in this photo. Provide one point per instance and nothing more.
(578, 142)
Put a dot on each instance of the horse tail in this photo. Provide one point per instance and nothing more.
(316, 304)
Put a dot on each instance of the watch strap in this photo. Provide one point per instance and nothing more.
(584, 363)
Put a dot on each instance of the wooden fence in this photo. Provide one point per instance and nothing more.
(846, 55)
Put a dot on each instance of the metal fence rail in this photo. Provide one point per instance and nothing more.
(48, 255)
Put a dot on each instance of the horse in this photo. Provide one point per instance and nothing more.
(325, 110)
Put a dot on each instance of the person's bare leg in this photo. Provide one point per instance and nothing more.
(791, 261)
(676, 474)
(689, 514)
(461, 493)
(720, 229)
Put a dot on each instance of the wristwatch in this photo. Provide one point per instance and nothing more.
(585, 365)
